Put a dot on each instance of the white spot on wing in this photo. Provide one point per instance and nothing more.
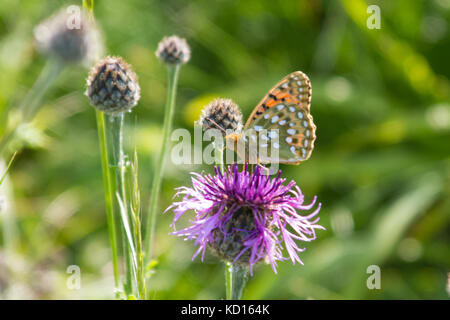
(275, 119)
(289, 140)
(280, 107)
(282, 122)
(292, 149)
(300, 115)
(291, 131)
(273, 134)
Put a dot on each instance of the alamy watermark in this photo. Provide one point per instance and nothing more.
(74, 19)
(74, 280)
(213, 146)
(374, 280)
(374, 20)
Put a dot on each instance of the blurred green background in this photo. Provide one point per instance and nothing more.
(381, 164)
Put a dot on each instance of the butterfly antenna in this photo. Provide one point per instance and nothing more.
(218, 127)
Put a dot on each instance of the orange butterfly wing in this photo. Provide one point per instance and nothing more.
(286, 108)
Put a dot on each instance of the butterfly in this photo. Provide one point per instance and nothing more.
(281, 122)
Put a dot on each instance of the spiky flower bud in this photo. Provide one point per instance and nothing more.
(112, 86)
(173, 50)
(221, 114)
(69, 35)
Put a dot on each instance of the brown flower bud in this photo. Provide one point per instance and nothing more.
(173, 50)
(221, 114)
(69, 35)
(112, 86)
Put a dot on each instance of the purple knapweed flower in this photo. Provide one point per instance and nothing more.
(246, 217)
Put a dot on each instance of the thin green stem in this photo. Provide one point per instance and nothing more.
(109, 197)
(236, 277)
(128, 284)
(140, 263)
(89, 4)
(136, 213)
(118, 166)
(118, 161)
(32, 101)
(8, 167)
(160, 164)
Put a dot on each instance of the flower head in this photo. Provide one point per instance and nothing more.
(223, 113)
(246, 217)
(173, 50)
(112, 86)
(69, 35)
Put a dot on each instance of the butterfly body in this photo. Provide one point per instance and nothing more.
(281, 124)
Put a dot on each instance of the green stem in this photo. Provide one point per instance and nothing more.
(89, 4)
(160, 164)
(137, 219)
(236, 277)
(8, 167)
(109, 197)
(32, 101)
(118, 165)
(118, 161)
(140, 267)
(128, 284)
